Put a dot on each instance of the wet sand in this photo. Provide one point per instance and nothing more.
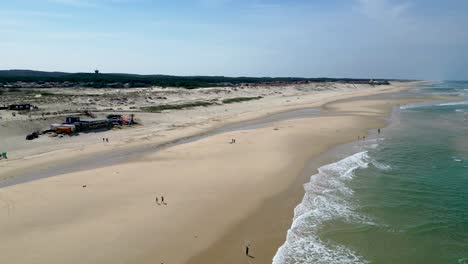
(266, 227)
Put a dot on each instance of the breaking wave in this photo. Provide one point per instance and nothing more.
(327, 197)
(423, 105)
(409, 106)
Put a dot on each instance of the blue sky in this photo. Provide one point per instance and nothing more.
(333, 38)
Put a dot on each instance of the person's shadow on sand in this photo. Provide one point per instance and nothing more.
(247, 251)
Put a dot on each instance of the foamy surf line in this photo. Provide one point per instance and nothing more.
(453, 103)
(327, 197)
(431, 104)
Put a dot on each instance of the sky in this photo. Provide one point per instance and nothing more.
(406, 39)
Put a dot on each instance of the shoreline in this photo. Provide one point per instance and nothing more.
(186, 227)
(14, 168)
(281, 206)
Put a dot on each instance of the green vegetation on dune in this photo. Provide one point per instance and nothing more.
(240, 99)
(27, 91)
(162, 107)
(159, 108)
(39, 92)
(47, 94)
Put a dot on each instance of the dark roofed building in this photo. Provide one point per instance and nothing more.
(20, 107)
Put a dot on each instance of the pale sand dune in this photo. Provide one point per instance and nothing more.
(164, 127)
(156, 126)
(211, 188)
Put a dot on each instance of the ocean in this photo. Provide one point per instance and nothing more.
(399, 197)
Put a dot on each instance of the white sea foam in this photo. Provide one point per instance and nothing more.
(453, 103)
(409, 106)
(419, 105)
(376, 139)
(327, 197)
(415, 105)
(373, 146)
(380, 165)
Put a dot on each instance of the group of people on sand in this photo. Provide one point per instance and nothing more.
(364, 137)
(162, 200)
(105, 140)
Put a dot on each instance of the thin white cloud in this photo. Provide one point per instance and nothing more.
(75, 3)
(383, 8)
(213, 3)
(9, 22)
(400, 9)
(24, 14)
(78, 35)
(399, 20)
(265, 6)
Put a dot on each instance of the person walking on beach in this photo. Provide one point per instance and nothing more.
(103, 140)
(107, 140)
(162, 200)
(157, 200)
(247, 250)
(378, 130)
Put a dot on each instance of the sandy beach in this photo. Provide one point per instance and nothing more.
(219, 196)
(233, 132)
(158, 127)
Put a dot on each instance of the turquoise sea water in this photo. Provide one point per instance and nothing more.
(402, 197)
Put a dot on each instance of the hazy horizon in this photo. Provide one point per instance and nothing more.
(391, 39)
